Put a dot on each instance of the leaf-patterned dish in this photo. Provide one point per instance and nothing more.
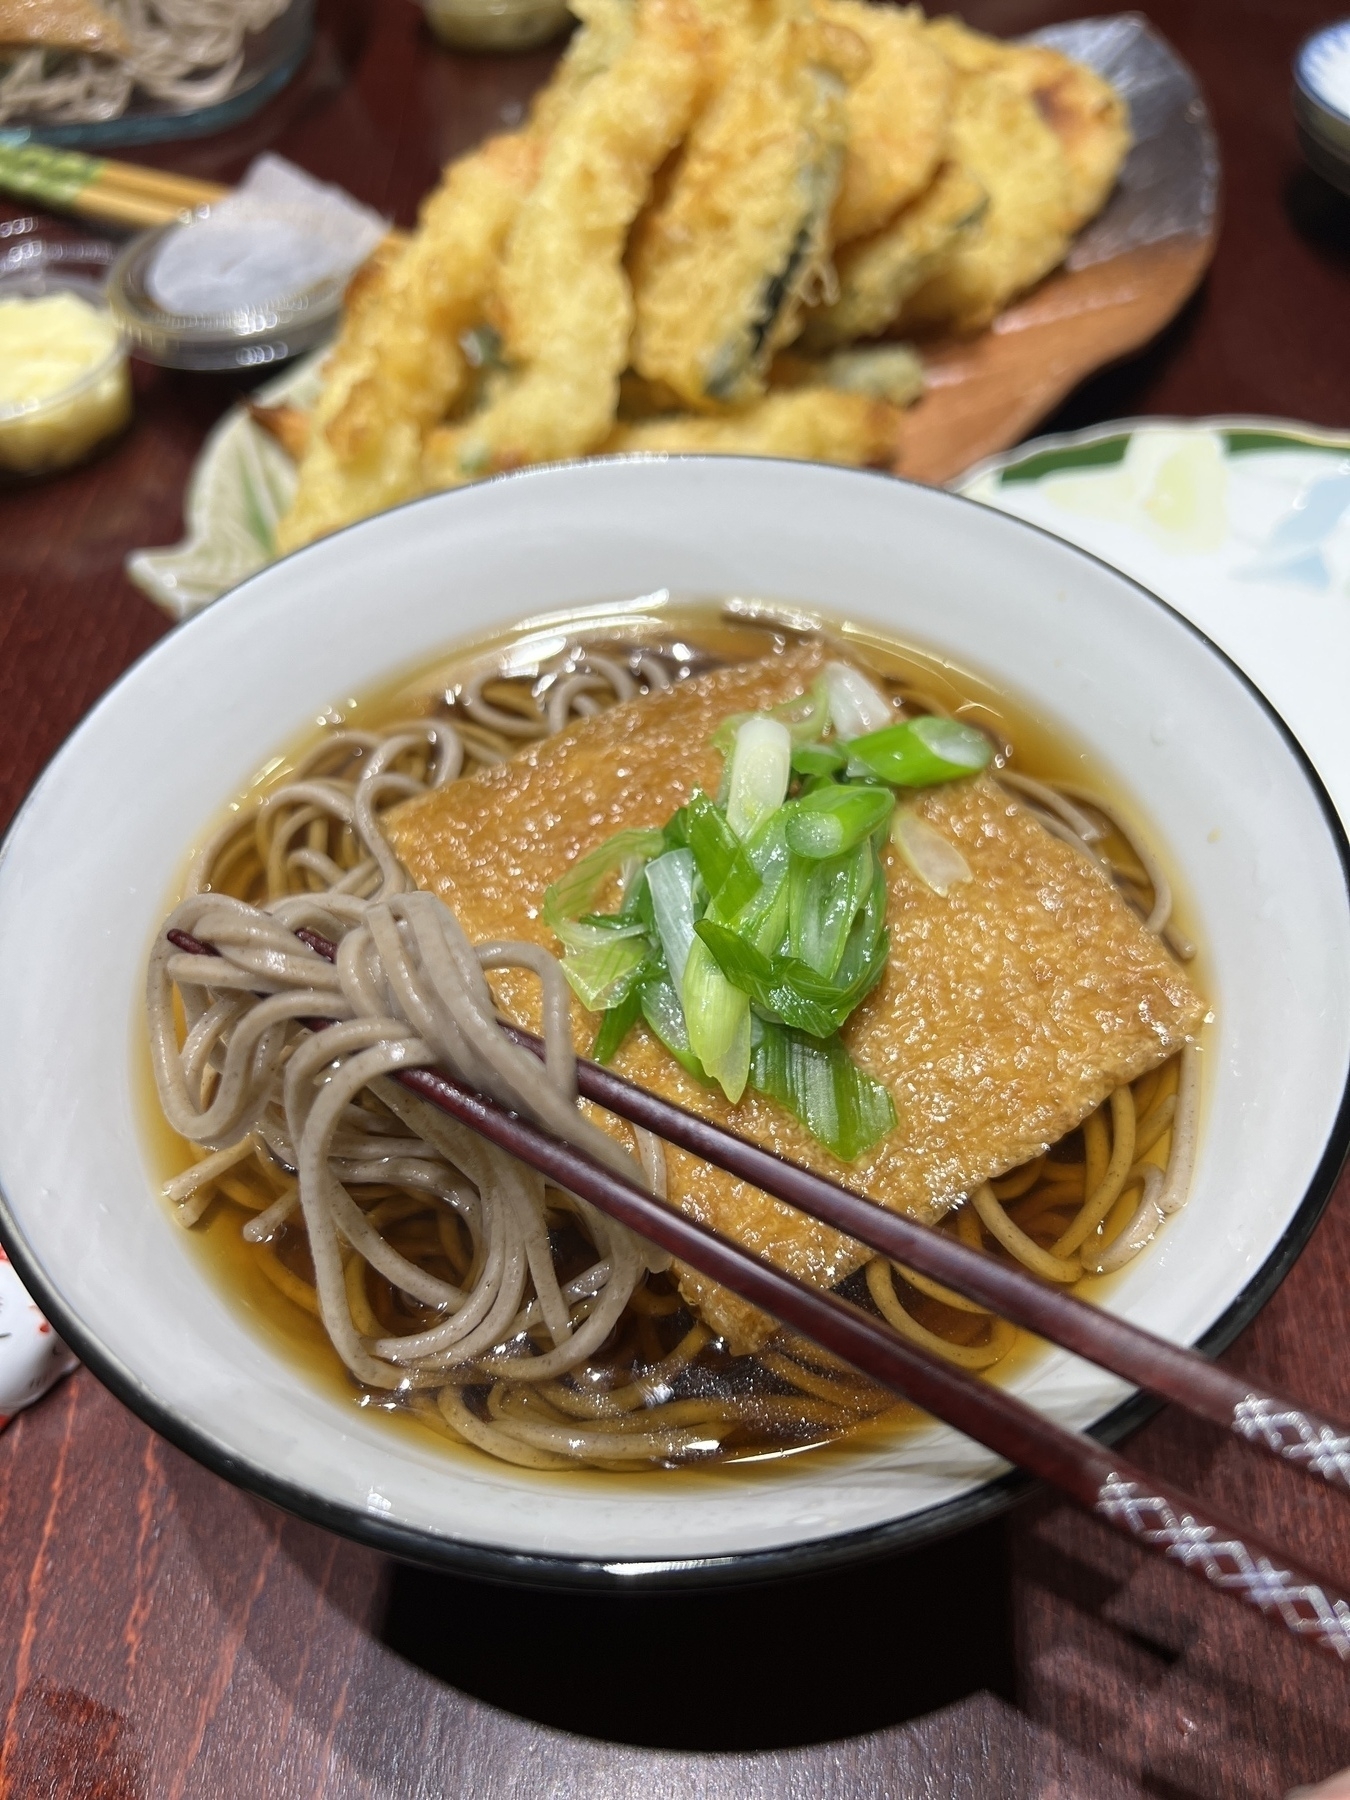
(1241, 524)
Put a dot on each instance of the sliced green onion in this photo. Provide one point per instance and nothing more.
(670, 882)
(576, 892)
(727, 872)
(664, 1014)
(818, 759)
(834, 818)
(921, 752)
(618, 1021)
(787, 990)
(820, 1084)
(602, 975)
(933, 858)
(758, 778)
(856, 707)
(805, 716)
(824, 897)
(718, 1017)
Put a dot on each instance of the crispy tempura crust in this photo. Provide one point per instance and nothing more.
(398, 365)
(1087, 115)
(737, 237)
(898, 114)
(877, 274)
(810, 424)
(1007, 1012)
(1000, 138)
(564, 302)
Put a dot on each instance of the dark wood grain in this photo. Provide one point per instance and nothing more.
(167, 1638)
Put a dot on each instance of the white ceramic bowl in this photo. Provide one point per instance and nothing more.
(91, 862)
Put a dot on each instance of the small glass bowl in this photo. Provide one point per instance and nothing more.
(1322, 102)
(497, 24)
(38, 437)
(251, 337)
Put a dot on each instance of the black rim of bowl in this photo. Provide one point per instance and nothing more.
(647, 1575)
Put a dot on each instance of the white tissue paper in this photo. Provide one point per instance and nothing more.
(276, 235)
(32, 1357)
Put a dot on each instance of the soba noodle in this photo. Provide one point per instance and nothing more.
(451, 1279)
(186, 53)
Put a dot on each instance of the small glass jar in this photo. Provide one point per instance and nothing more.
(1322, 102)
(497, 24)
(39, 436)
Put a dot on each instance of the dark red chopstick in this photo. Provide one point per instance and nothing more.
(1268, 1421)
(1136, 1504)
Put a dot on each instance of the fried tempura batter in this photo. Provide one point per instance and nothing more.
(877, 274)
(1087, 115)
(564, 301)
(1007, 1012)
(898, 114)
(398, 365)
(721, 262)
(713, 153)
(807, 424)
(999, 137)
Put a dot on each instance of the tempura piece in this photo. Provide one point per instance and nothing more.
(722, 262)
(291, 426)
(563, 299)
(398, 365)
(1008, 1010)
(898, 114)
(891, 372)
(1085, 112)
(806, 424)
(1000, 138)
(63, 25)
(877, 274)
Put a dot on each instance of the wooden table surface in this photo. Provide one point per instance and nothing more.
(166, 1636)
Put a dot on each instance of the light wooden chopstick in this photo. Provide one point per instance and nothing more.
(96, 187)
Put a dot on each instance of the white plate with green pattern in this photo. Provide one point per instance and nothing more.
(1241, 524)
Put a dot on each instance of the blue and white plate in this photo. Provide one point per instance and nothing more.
(1243, 525)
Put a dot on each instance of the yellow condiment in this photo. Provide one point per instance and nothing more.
(63, 380)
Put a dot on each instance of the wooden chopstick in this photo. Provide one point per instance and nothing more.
(95, 187)
(1138, 1505)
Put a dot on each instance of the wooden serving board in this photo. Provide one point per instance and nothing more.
(986, 393)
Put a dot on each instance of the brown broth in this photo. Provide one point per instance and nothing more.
(699, 635)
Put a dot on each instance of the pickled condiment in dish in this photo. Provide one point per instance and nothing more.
(63, 380)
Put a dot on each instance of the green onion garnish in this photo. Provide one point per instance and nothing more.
(749, 929)
(758, 779)
(921, 752)
(832, 819)
(820, 1084)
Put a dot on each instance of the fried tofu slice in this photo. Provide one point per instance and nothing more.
(805, 424)
(563, 300)
(1085, 112)
(898, 114)
(737, 236)
(1007, 1012)
(63, 25)
(877, 274)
